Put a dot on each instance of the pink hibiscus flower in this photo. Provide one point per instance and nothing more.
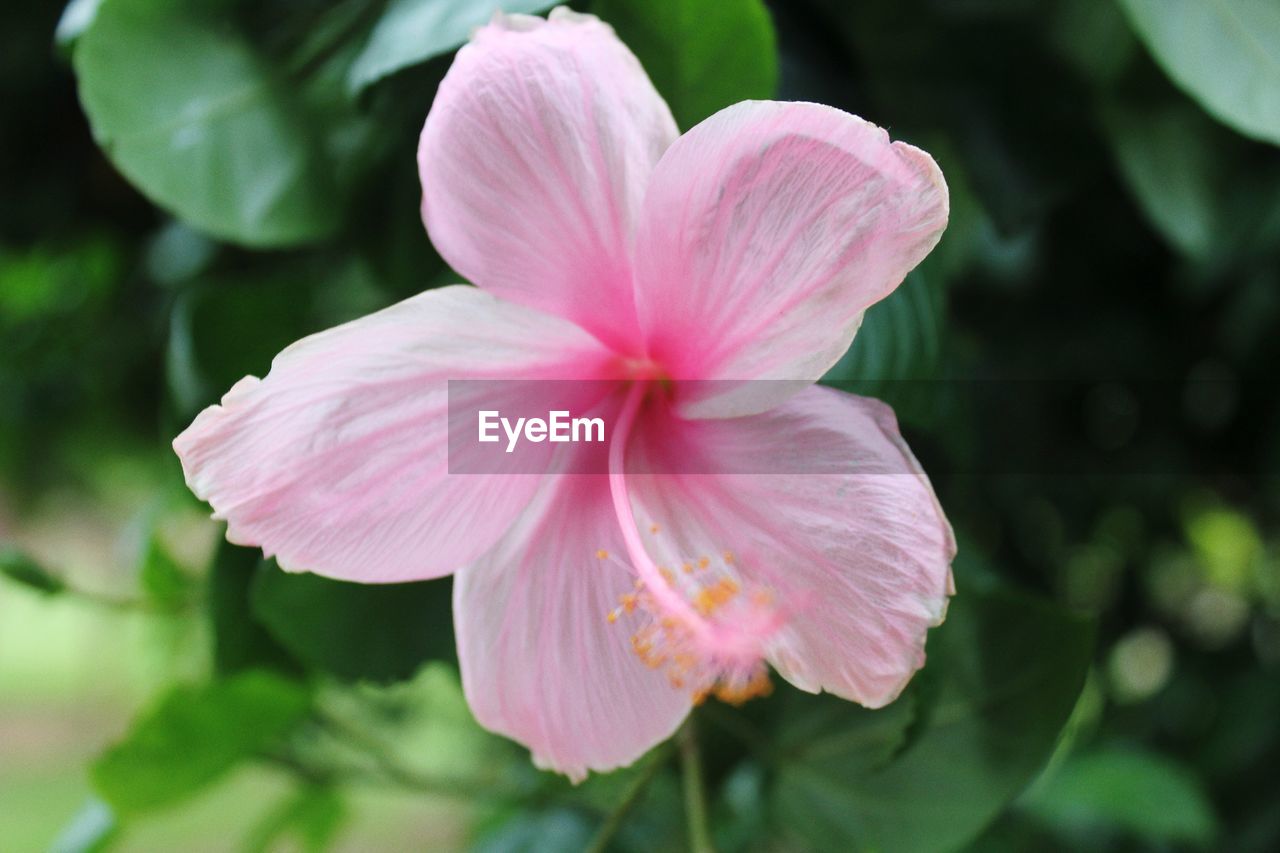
(732, 523)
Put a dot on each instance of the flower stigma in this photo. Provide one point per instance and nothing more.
(703, 624)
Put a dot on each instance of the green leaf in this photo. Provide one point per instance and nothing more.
(896, 350)
(412, 31)
(557, 830)
(1168, 163)
(1137, 792)
(239, 641)
(163, 580)
(702, 55)
(423, 723)
(373, 632)
(176, 254)
(76, 18)
(864, 739)
(194, 735)
(1199, 185)
(202, 125)
(223, 328)
(1003, 676)
(1224, 53)
(898, 338)
(18, 566)
(1094, 37)
(312, 815)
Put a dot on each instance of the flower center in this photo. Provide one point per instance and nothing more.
(704, 625)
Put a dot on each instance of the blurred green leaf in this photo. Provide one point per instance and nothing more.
(424, 722)
(202, 124)
(557, 830)
(311, 816)
(43, 284)
(163, 580)
(740, 816)
(177, 254)
(896, 349)
(1168, 161)
(239, 641)
(372, 632)
(1140, 793)
(898, 338)
(224, 328)
(185, 380)
(1198, 184)
(968, 224)
(1003, 676)
(194, 735)
(1094, 37)
(92, 830)
(413, 31)
(702, 55)
(20, 567)
(560, 810)
(76, 17)
(1224, 53)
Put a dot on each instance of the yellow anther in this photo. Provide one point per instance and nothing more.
(653, 528)
(703, 562)
(612, 616)
(687, 568)
(735, 694)
(602, 554)
(728, 557)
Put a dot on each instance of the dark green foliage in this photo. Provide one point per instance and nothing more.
(239, 641)
(359, 632)
(702, 55)
(932, 769)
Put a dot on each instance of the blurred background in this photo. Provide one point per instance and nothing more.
(1086, 366)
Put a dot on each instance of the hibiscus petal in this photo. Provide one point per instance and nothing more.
(819, 505)
(766, 232)
(533, 161)
(540, 662)
(337, 462)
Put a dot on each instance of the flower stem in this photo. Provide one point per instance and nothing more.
(695, 794)
(630, 798)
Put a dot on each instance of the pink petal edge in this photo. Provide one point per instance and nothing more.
(540, 663)
(534, 158)
(336, 462)
(820, 502)
(766, 232)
